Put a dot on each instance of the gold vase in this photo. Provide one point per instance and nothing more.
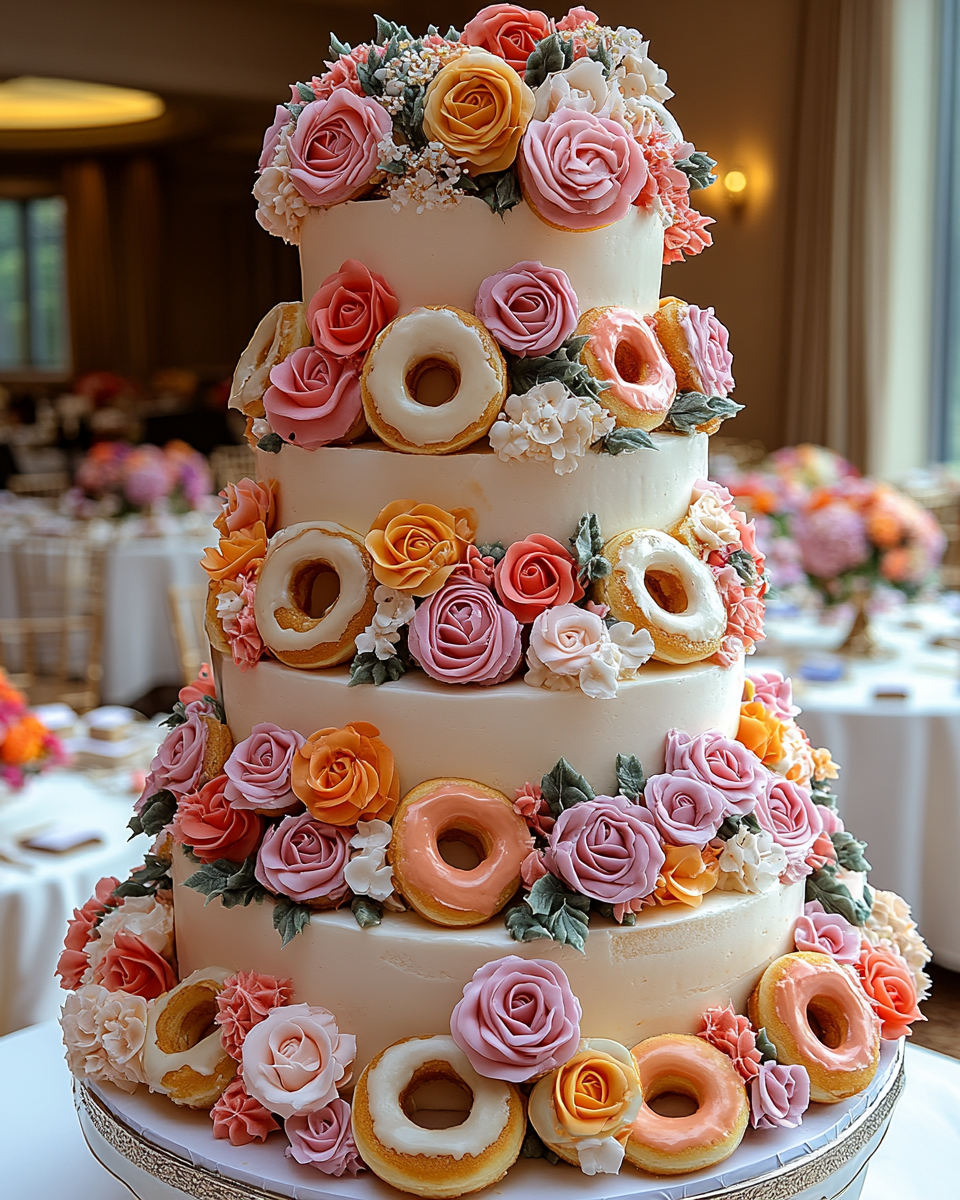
(860, 642)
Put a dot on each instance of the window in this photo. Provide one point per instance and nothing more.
(33, 313)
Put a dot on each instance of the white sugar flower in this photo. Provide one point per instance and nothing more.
(146, 917)
(103, 1033)
(368, 873)
(599, 1156)
(639, 76)
(372, 835)
(546, 424)
(571, 646)
(394, 610)
(635, 645)
(280, 207)
(598, 679)
(582, 86)
(229, 608)
(750, 862)
(711, 524)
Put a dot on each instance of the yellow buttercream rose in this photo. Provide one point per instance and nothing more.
(415, 547)
(761, 732)
(346, 775)
(478, 107)
(687, 874)
(240, 552)
(594, 1095)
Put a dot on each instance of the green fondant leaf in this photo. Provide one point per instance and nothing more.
(289, 918)
(699, 169)
(337, 47)
(272, 443)
(523, 926)
(368, 912)
(452, 34)
(743, 564)
(385, 29)
(494, 550)
(157, 812)
(821, 794)
(534, 1147)
(835, 896)
(731, 826)
(849, 851)
(562, 366)
(601, 54)
(145, 880)
(499, 190)
(306, 93)
(564, 787)
(367, 668)
(177, 717)
(691, 409)
(235, 884)
(587, 545)
(768, 1051)
(602, 909)
(630, 776)
(624, 441)
(551, 54)
(367, 73)
(562, 913)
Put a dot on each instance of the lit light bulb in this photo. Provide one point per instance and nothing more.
(735, 182)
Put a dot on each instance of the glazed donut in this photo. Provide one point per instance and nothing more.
(703, 367)
(433, 381)
(317, 567)
(484, 822)
(283, 330)
(182, 1055)
(818, 1016)
(687, 1065)
(624, 350)
(658, 585)
(435, 1162)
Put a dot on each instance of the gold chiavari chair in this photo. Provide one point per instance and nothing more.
(187, 602)
(230, 463)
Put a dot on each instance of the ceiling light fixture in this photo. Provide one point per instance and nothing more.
(32, 103)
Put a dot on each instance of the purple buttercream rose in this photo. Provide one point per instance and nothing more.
(258, 770)
(281, 119)
(461, 635)
(779, 1096)
(303, 858)
(787, 813)
(685, 810)
(775, 693)
(723, 763)
(178, 764)
(334, 149)
(607, 849)
(707, 342)
(530, 309)
(820, 932)
(518, 1018)
(324, 1139)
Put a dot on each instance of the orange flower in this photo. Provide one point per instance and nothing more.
(245, 503)
(687, 875)
(823, 765)
(594, 1094)
(889, 983)
(24, 742)
(761, 732)
(346, 775)
(237, 553)
(415, 547)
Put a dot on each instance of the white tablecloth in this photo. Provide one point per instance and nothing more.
(36, 904)
(46, 1158)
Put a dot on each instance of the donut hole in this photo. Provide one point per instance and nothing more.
(436, 1097)
(827, 1022)
(433, 382)
(186, 1020)
(666, 589)
(461, 849)
(628, 363)
(315, 588)
(671, 1096)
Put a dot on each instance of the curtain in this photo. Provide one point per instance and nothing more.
(90, 274)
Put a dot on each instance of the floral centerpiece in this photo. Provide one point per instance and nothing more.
(115, 479)
(27, 747)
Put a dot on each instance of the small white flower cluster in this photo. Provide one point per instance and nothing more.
(599, 1156)
(750, 862)
(280, 207)
(368, 873)
(394, 610)
(586, 655)
(549, 424)
(891, 924)
(429, 177)
(412, 66)
(229, 608)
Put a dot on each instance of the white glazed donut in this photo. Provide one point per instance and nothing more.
(182, 1055)
(658, 585)
(314, 594)
(283, 330)
(433, 382)
(435, 1161)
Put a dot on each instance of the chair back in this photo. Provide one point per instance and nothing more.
(48, 485)
(187, 602)
(231, 463)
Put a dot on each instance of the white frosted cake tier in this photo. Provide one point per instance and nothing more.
(442, 257)
(404, 976)
(351, 484)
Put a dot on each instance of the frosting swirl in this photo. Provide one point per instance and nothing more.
(258, 769)
(607, 849)
(530, 309)
(244, 1001)
(346, 775)
(304, 859)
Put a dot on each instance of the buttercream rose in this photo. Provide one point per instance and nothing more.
(720, 761)
(237, 554)
(207, 823)
(889, 983)
(244, 1001)
(583, 86)
(461, 635)
(820, 932)
(733, 1035)
(607, 849)
(787, 813)
(239, 1118)
(594, 1094)
(535, 574)
(148, 918)
(761, 732)
(687, 874)
(685, 810)
(580, 171)
(323, 1139)
(350, 308)
(775, 693)
(303, 858)
(530, 309)
(565, 638)
(74, 961)
(334, 149)
(271, 137)
(518, 1018)
(295, 1059)
(258, 769)
(707, 345)
(313, 397)
(508, 31)
(104, 1033)
(779, 1096)
(178, 763)
(203, 685)
(478, 107)
(346, 775)
(130, 965)
(415, 547)
(244, 504)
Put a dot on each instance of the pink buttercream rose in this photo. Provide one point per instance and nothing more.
(239, 1118)
(731, 651)
(314, 397)
(281, 119)
(74, 961)
(530, 309)
(685, 810)
(130, 965)
(787, 813)
(507, 30)
(532, 868)
(244, 504)
(324, 1139)
(779, 1096)
(565, 638)
(244, 1001)
(461, 635)
(606, 848)
(832, 822)
(518, 1019)
(734, 1036)
(707, 345)
(535, 574)
(775, 693)
(303, 858)
(531, 805)
(333, 150)
(207, 823)
(820, 932)
(745, 618)
(178, 764)
(350, 308)
(258, 769)
(296, 1058)
(577, 17)
(722, 762)
(580, 171)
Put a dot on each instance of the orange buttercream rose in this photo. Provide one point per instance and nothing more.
(23, 742)
(687, 874)
(346, 775)
(761, 732)
(889, 983)
(237, 553)
(415, 547)
(478, 107)
(593, 1094)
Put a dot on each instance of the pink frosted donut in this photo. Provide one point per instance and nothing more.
(624, 350)
(680, 1063)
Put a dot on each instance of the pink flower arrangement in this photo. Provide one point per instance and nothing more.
(27, 747)
(133, 478)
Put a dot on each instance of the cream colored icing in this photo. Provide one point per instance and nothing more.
(424, 334)
(351, 484)
(292, 548)
(804, 982)
(704, 618)
(386, 1082)
(203, 1057)
(443, 256)
(657, 385)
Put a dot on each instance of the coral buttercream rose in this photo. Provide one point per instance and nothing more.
(245, 503)
(518, 1018)
(478, 107)
(239, 1118)
(579, 171)
(334, 149)
(530, 309)
(889, 983)
(350, 308)
(295, 1059)
(536, 574)
(685, 810)
(314, 397)
(508, 31)
(347, 775)
(271, 137)
(130, 965)
(415, 547)
(576, 17)
(234, 555)
(687, 874)
(725, 764)
(74, 961)
(607, 849)
(207, 823)
(461, 635)
(303, 858)
(323, 1139)
(244, 1001)
(786, 811)
(820, 932)
(761, 732)
(732, 1034)
(594, 1094)
(258, 769)
(779, 1096)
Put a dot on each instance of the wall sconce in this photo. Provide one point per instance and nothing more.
(735, 189)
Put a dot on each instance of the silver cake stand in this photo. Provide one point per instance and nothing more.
(162, 1153)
